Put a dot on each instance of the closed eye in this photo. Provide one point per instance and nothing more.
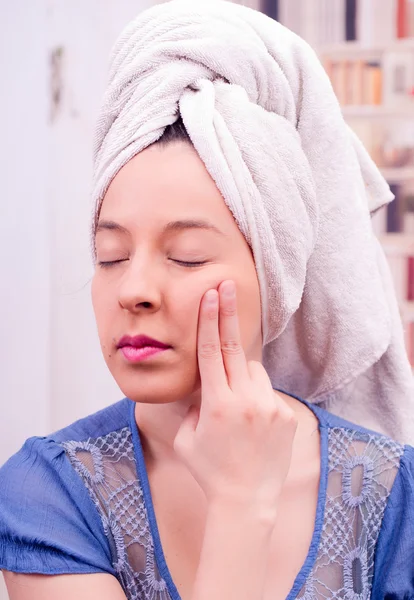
(185, 263)
(110, 263)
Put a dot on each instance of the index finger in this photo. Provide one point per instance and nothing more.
(210, 360)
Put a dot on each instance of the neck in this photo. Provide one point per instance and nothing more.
(159, 423)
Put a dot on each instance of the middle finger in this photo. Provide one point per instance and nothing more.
(231, 347)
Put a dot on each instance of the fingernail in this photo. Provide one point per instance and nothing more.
(229, 289)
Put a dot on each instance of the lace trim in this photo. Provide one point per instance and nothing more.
(362, 470)
(107, 467)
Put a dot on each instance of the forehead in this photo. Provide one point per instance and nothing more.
(165, 183)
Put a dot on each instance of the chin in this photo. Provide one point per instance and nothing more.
(156, 387)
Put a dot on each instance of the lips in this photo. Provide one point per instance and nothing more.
(141, 341)
(140, 348)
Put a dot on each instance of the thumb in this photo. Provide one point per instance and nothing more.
(184, 439)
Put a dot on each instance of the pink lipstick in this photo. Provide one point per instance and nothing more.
(138, 348)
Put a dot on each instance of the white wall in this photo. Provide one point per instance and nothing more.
(24, 228)
(24, 225)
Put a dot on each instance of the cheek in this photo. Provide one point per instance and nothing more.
(184, 306)
(102, 303)
(185, 303)
(97, 299)
(249, 312)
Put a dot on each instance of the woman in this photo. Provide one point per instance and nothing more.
(234, 259)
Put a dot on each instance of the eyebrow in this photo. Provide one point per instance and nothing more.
(172, 226)
(182, 225)
(110, 226)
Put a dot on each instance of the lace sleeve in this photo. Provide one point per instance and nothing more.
(394, 560)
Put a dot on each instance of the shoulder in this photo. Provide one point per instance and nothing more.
(108, 419)
(352, 444)
(339, 427)
(45, 462)
(367, 461)
(377, 485)
(42, 460)
(394, 558)
(368, 521)
(49, 522)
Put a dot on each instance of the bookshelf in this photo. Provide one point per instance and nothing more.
(382, 115)
(398, 174)
(377, 111)
(361, 50)
(397, 243)
(407, 310)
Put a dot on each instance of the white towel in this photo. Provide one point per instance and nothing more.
(262, 116)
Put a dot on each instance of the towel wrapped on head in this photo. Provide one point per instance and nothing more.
(262, 115)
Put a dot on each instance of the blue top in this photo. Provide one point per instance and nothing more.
(78, 501)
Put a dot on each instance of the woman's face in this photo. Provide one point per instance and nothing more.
(165, 237)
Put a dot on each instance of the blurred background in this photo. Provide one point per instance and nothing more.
(53, 62)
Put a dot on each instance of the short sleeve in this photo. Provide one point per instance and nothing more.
(394, 556)
(48, 523)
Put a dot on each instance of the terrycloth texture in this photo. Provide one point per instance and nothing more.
(262, 115)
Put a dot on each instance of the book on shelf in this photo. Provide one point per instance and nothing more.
(402, 14)
(372, 83)
(398, 70)
(350, 20)
(370, 22)
(380, 219)
(376, 25)
(410, 279)
(388, 81)
(355, 82)
(270, 8)
(397, 217)
(410, 18)
(290, 15)
(395, 211)
(408, 227)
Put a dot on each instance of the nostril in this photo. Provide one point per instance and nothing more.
(146, 304)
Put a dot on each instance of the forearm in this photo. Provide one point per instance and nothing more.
(235, 554)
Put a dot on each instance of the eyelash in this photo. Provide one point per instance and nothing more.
(184, 263)
(111, 263)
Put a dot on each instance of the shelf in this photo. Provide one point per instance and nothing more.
(360, 50)
(379, 111)
(407, 310)
(398, 174)
(397, 243)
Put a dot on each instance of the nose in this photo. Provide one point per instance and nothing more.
(139, 289)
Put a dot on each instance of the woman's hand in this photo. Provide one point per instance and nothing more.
(238, 446)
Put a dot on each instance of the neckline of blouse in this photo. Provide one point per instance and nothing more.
(319, 516)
